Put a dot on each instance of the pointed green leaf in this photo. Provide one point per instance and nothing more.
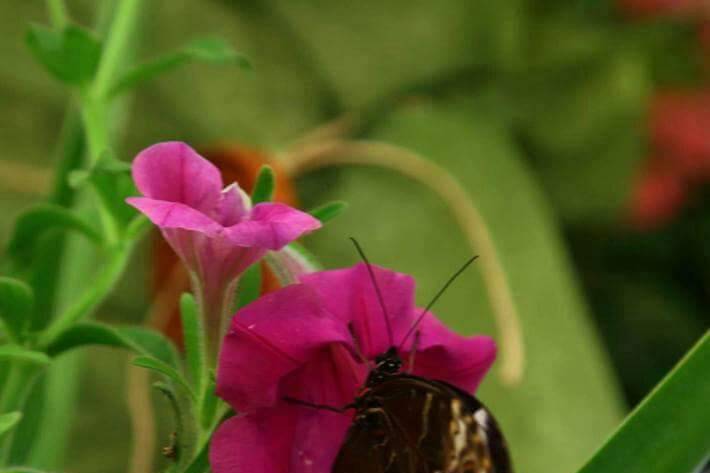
(18, 353)
(37, 221)
(210, 50)
(71, 55)
(668, 431)
(165, 369)
(16, 300)
(264, 187)
(216, 51)
(249, 287)
(8, 421)
(329, 211)
(194, 337)
(139, 339)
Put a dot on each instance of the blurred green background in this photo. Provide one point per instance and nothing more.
(572, 125)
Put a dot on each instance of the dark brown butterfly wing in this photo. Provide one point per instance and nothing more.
(408, 424)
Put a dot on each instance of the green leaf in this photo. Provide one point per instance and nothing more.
(16, 299)
(201, 462)
(194, 337)
(249, 287)
(186, 427)
(141, 340)
(8, 421)
(112, 182)
(159, 366)
(18, 353)
(329, 211)
(71, 55)
(107, 164)
(668, 431)
(40, 219)
(209, 50)
(264, 187)
(216, 51)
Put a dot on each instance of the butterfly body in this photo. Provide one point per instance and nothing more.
(409, 424)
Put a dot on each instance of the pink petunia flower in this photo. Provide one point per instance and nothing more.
(307, 341)
(214, 230)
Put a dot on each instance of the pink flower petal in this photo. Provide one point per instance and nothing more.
(272, 226)
(270, 338)
(257, 442)
(233, 206)
(172, 171)
(331, 377)
(175, 215)
(318, 438)
(350, 295)
(447, 356)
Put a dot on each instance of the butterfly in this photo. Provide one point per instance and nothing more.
(410, 424)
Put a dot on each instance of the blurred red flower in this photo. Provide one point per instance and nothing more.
(679, 125)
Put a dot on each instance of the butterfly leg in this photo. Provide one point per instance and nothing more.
(339, 410)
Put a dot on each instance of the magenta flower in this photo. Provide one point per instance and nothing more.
(306, 342)
(214, 230)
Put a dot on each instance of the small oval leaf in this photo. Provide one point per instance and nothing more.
(329, 211)
(141, 340)
(264, 187)
(16, 299)
(70, 55)
(18, 353)
(8, 421)
(37, 221)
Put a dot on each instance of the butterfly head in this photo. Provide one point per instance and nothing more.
(387, 364)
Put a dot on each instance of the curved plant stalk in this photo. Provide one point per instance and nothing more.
(410, 164)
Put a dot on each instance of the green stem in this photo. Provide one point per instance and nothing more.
(215, 305)
(95, 98)
(15, 390)
(118, 42)
(93, 115)
(100, 288)
(58, 13)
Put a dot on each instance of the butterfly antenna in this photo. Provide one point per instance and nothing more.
(436, 298)
(377, 288)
